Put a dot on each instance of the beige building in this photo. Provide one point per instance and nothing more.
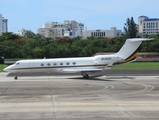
(3, 24)
(148, 26)
(113, 32)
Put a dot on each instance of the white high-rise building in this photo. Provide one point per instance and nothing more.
(148, 26)
(3, 24)
(79, 29)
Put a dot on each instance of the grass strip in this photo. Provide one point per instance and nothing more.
(2, 66)
(137, 66)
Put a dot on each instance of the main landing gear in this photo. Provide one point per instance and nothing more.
(85, 75)
(15, 77)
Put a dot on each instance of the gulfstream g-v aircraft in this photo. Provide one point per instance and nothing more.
(127, 53)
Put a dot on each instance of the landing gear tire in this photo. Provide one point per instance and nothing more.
(15, 77)
(86, 76)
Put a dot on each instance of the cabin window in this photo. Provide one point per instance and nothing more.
(55, 64)
(48, 64)
(67, 63)
(42, 64)
(74, 63)
(61, 63)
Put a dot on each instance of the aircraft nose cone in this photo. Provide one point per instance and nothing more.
(6, 69)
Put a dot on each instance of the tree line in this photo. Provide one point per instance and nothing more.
(36, 46)
(21, 47)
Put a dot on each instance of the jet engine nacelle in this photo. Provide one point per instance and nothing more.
(117, 59)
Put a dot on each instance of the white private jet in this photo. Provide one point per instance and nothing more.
(127, 53)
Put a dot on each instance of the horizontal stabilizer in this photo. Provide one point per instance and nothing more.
(139, 39)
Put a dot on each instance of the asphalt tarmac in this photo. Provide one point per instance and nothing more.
(117, 96)
(107, 73)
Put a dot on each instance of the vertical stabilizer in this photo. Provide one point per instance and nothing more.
(130, 49)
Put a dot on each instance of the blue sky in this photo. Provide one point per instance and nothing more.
(95, 14)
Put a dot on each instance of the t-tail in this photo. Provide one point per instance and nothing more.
(129, 50)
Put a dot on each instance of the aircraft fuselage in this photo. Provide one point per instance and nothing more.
(60, 64)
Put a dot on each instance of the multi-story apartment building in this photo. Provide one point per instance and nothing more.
(3, 24)
(57, 30)
(113, 32)
(148, 26)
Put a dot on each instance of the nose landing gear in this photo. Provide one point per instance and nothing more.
(16, 76)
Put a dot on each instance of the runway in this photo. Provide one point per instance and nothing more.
(122, 97)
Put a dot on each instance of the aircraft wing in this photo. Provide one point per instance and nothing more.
(74, 70)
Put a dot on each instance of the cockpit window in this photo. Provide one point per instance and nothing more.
(17, 63)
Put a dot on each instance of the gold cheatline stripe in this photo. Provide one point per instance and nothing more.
(132, 57)
(58, 67)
